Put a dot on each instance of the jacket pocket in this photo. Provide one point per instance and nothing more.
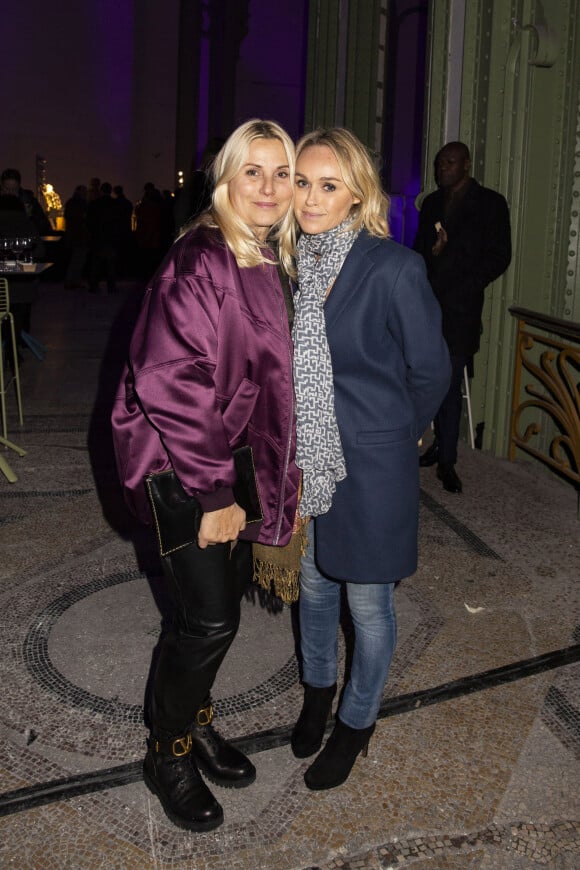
(238, 412)
(386, 436)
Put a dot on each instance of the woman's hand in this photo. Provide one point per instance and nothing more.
(219, 527)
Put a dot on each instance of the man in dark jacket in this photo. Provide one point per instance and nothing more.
(124, 208)
(464, 236)
(103, 230)
(10, 185)
(14, 224)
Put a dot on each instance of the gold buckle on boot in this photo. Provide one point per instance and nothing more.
(178, 748)
(204, 715)
(181, 746)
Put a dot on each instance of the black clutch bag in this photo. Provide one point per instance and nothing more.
(177, 515)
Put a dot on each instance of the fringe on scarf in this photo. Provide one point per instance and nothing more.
(277, 569)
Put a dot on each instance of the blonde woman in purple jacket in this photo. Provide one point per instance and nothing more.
(210, 369)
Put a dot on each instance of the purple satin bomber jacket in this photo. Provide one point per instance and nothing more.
(210, 369)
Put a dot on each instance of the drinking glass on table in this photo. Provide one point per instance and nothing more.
(5, 249)
(22, 247)
(27, 256)
(31, 243)
(17, 247)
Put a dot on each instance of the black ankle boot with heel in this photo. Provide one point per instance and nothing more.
(335, 762)
(309, 729)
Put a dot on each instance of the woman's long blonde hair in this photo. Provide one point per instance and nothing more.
(247, 249)
(359, 175)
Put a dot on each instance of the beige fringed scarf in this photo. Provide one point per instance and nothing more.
(277, 569)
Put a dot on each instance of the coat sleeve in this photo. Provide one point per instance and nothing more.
(478, 252)
(497, 249)
(426, 235)
(173, 357)
(414, 321)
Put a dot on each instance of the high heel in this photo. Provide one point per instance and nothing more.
(309, 729)
(334, 764)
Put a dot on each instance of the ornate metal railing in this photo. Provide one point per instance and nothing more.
(547, 424)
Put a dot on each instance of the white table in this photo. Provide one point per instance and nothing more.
(20, 273)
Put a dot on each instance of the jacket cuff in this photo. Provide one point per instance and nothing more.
(215, 501)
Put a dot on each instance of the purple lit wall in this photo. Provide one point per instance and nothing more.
(404, 113)
(271, 68)
(112, 39)
(91, 87)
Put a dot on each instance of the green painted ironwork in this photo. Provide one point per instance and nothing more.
(519, 113)
(510, 89)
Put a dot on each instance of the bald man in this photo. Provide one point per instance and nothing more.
(464, 236)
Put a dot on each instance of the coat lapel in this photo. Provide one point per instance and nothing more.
(350, 277)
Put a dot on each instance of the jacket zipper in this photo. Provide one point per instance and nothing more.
(290, 418)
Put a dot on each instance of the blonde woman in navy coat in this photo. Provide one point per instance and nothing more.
(370, 368)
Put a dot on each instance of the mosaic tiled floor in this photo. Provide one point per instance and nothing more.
(474, 763)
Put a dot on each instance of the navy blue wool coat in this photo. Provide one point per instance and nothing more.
(391, 370)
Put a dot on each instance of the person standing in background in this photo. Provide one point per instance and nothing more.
(149, 231)
(195, 196)
(124, 217)
(465, 239)
(76, 237)
(10, 185)
(14, 223)
(103, 228)
(94, 189)
(23, 215)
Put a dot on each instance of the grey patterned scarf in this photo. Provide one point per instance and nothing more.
(318, 449)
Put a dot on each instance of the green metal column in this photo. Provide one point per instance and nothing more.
(572, 281)
(323, 30)
(499, 130)
(346, 45)
(530, 158)
(518, 112)
(504, 77)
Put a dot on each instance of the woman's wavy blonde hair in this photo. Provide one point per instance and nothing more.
(359, 175)
(247, 249)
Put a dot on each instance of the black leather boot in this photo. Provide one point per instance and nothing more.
(449, 477)
(170, 772)
(220, 761)
(309, 729)
(430, 456)
(335, 762)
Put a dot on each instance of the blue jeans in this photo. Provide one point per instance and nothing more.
(375, 630)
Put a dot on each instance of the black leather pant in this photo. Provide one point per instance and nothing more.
(206, 587)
